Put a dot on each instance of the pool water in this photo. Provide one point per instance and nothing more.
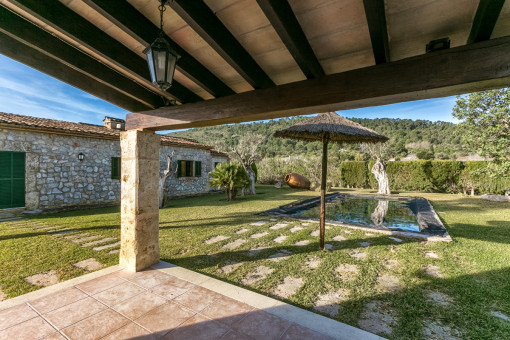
(375, 212)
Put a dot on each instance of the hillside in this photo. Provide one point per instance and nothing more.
(407, 137)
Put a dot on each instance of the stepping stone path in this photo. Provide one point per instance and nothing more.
(229, 267)
(260, 273)
(281, 255)
(242, 231)
(501, 316)
(259, 223)
(106, 246)
(259, 235)
(302, 243)
(278, 226)
(315, 233)
(233, 245)
(440, 298)
(64, 232)
(313, 262)
(347, 271)
(296, 229)
(346, 231)
(115, 251)
(103, 240)
(358, 255)
(273, 219)
(433, 271)
(288, 288)
(395, 239)
(329, 303)
(339, 238)
(75, 236)
(88, 264)
(377, 318)
(431, 254)
(306, 224)
(370, 234)
(43, 279)
(216, 239)
(364, 244)
(387, 282)
(255, 251)
(435, 330)
(280, 239)
(391, 264)
(86, 239)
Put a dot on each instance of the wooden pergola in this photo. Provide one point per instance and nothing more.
(245, 60)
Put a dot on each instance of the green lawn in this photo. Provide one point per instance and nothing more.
(475, 268)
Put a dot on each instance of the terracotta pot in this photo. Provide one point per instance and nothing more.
(297, 181)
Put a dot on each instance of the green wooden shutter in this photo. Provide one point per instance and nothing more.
(115, 167)
(12, 179)
(179, 168)
(198, 169)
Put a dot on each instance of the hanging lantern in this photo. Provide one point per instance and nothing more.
(161, 57)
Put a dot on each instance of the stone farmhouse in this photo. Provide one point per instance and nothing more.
(50, 164)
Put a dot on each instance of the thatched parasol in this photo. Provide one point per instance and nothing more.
(329, 127)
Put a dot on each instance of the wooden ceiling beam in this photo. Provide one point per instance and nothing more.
(134, 23)
(33, 36)
(284, 21)
(463, 69)
(486, 16)
(204, 22)
(29, 56)
(60, 17)
(376, 20)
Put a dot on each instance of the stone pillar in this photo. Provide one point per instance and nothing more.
(139, 211)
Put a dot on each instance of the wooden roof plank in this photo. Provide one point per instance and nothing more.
(463, 69)
(486, 16)
(59, 16)
(280, 15)
(376, 19)
(203, 21)
(125, 16)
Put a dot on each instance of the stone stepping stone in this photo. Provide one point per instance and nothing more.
(76, 235)
(106, 246)
(431, 254)
(280, 239)
(391, 264)
(296, 229)
(63, 232)
(438, 330)
(315, 233)
(329, 303)
(47, 228)
(440, 298)
(88, 264)
(433, 271)
(281, 255)
(216, 239)
(370, 234)
(501, 315)
(260, 273)
(115, 251)
(347, 271)
(229, 267)
(288, 288)
(302, 243)
(313, 262)
(93, 243)
(43, 279)
(328, 246)
(259, 235)
(377, 317)
(387, 282)
(346, 231)
(306, 224)
(259, 223)
(395, 239)
(339, 238)
(242, 231)
(273, 219)
(358, 255)
(255, 251)
(86, 239)
(364, 244)
(278, 226)
(233, 245)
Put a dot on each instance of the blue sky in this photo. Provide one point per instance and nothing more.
(26, 91)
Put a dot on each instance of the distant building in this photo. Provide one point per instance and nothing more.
(50, 164)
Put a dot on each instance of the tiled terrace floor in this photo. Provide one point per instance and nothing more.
(154, 304)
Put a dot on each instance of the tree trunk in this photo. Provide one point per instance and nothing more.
(251, 175)
(379, 171)
(162, 180)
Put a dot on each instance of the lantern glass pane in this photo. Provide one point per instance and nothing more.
(171, 68)
(159, 64)
(150, 61)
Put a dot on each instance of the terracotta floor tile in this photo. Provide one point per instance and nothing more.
(35, 328)
(147, 278)
(96, 326)
(114, 295)
(102, 283)
(198, 328)
(57, 300)
(131, 330)
(172, 288)
(233, 335)
(298, 332)
(197, 298)
(262, 325)
(138, 305)
(15, 315)
(74, 312)
(164, 318)
(227, 311)
(55, 336)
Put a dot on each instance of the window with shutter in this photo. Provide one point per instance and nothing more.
(115, 167)
(12, 179)
(198, 169)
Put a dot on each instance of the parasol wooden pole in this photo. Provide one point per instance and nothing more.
(323, 191)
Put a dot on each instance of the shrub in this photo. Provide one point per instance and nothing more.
(230, 176)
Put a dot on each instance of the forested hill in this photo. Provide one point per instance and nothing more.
(439, 140)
